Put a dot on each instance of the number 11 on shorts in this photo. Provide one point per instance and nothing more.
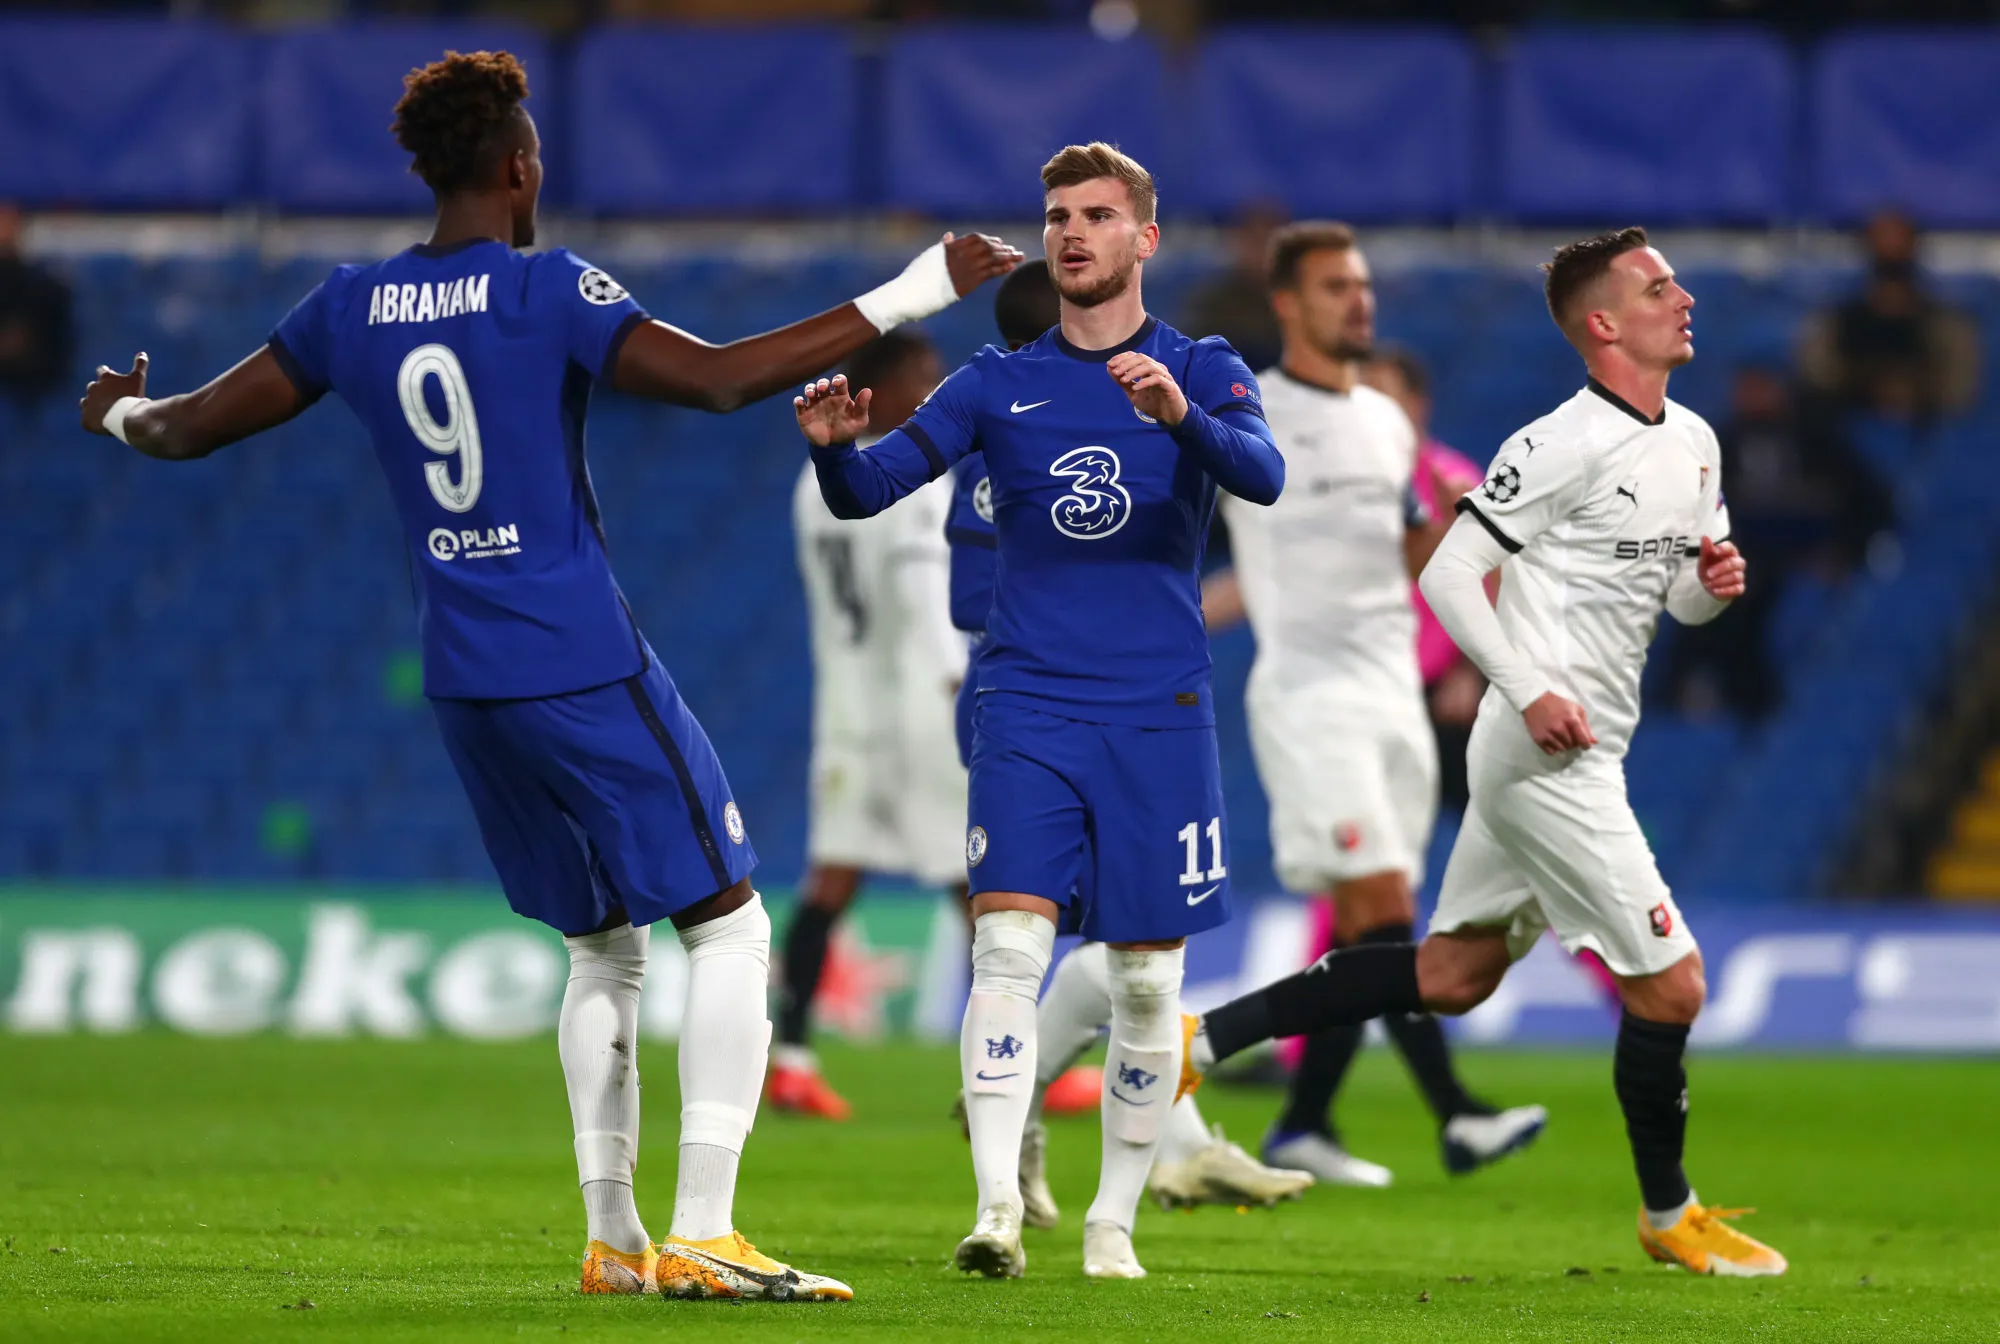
(1190, 837)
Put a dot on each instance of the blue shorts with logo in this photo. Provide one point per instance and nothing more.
(1125, 822)
(598, 807)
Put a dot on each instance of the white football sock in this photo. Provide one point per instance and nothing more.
(597, 1035)
(1011, 950)
(725, 1039)
(1186, 1133)
(1076, 1007)
(1662, 1219)
(1141, 1071)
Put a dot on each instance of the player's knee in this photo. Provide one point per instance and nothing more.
(1011, 951)
(617, 955)
(1145, 985)
(1452, 979)
(745, 931)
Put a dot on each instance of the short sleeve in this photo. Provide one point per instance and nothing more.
(303, 341)
(1535, 480)
(946, 426)
(1218, 379)
(600, 312)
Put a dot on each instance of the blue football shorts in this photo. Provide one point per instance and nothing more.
(601, 806)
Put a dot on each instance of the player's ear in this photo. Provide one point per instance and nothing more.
(1149, 241)
(1285, 303)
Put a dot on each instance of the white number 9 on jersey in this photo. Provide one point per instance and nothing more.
(458, 434)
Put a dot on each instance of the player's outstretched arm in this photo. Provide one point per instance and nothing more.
(254, 396)
(664, 363)
(855, 484)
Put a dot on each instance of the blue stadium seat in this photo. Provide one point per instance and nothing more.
(972, 111)
(1360, 123)
(1909, 119)
(326, 96)
(695, 121)
(125, 112)
(1700, 130)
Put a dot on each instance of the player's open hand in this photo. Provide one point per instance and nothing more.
(1723, 570)
(1558, 725)
(106, 388)
(977, 258)
(1151, 388)
(827, 414)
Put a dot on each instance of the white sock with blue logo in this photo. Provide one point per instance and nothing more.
(1142, 1070)
(1011, 951)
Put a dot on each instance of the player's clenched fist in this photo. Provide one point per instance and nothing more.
(827, 414)
(1723, 570)
(1558, 725)
(1152, 389)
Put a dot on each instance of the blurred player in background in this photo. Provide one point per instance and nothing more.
(600, 800)
(887, 793)
(1094, 766)
(1452, 685)
(1335, 699)
(1600, 515)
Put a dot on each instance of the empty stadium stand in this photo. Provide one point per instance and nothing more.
(210, 666)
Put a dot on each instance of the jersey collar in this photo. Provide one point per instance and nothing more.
(1293, 378)
(432, 250)
(1132, 342)
(1601, 390)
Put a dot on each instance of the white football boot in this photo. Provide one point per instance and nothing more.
(1472, 1141)
(1038, 1203)
(1222, 1173)
(1107, 1253)
(994, 1248)
(1326, 1161)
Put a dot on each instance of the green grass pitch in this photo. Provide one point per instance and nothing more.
(154, 1187)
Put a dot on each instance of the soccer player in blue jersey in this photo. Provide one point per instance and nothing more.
(1093, 760)
(600, 800)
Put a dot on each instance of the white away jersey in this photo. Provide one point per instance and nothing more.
(1600, 510)
(878, 600)
(1323, 573)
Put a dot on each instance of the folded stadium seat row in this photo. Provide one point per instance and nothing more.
(1728, 125)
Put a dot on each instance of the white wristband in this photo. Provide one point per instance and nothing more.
(923, 288)
(114, 419)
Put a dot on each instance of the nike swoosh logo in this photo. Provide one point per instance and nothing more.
(767, 1278)
(985, 1077)
(1197, 900)
(1129, 1101)
(1017, 407)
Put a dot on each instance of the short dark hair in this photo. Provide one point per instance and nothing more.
(1579, 265)
(1026, 304)
(885, 356)
(1295, 242)
(456, 115)
(1408, 364)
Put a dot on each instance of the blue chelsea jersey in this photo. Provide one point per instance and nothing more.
(1099, 514)
(471, 367)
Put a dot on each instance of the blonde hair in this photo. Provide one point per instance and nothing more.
(1085, 163)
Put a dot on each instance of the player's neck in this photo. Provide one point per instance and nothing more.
(468, 216)
(1107, 324)
(1303, 364)
(1644, 390)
